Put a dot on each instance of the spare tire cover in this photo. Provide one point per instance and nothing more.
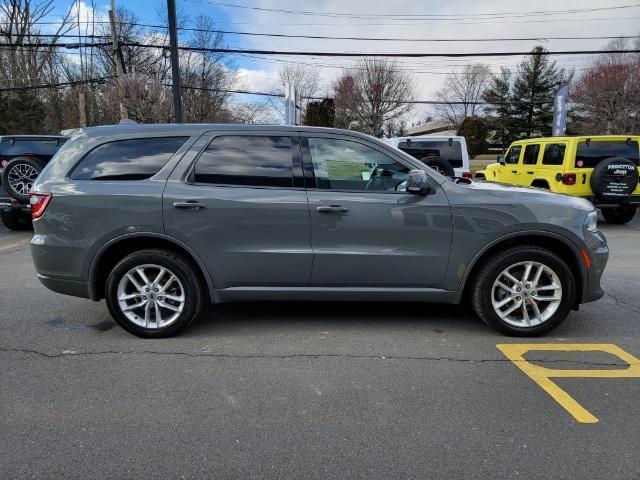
(440, 165)
(613, 179)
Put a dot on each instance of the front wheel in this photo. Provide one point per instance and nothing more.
(154, 293)
(619, 215)
(523, 291)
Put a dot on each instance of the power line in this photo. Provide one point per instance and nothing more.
(326, 54)
(55, 85)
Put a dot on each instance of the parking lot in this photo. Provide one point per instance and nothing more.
(312, 391)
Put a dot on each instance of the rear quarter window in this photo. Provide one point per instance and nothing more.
(434, 148)
(135, 159)
(590, 153)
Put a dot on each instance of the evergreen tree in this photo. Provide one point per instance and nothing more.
(500, 109)
(474, 130)
(320, 114)
(537, 80)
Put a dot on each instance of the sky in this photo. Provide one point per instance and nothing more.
(426, 19)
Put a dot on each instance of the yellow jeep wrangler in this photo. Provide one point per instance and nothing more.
(603, 169)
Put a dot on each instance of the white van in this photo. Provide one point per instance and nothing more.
(452, 149)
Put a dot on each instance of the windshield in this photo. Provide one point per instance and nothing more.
(592, 152)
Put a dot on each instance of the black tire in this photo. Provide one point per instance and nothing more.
(614, 179)
(619, 215)
(482, 286)
(440, 165)
(25, 162)
(14, 220)
(181, 267)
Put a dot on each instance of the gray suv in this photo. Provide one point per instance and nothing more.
(159, 219)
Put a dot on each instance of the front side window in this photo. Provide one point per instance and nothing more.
(135, 159)
(530, 156)
(346, 165)
(554, 154)
(513, 155)
(592, 152)
(246, 160)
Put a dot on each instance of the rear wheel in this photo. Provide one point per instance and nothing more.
(15, 220)
(524, 291)
(154, 293)
(619, 215)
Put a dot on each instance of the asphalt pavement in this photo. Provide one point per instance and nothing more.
(311, 390)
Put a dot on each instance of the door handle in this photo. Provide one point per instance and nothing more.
(530, 173)
(189, 205)
(514, 171)
(332, 209)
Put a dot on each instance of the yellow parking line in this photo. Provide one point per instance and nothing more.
(542, 375)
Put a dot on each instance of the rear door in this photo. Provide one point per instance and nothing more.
(365, 230)
(527, 167)
(235, 204)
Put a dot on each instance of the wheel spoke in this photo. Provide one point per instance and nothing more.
(503, 286)
(147, 314)
(158, 315)
(527, 272)
(537, 276)
(174, 298)
(511, 277)
(133, 306)
(169, 282)
(129, 296)
(511, 309)
(525, 314)
(168, 306)
(553, 286)
(161, 273)
(143, 276)
(546, 299)
(504, 301)
(536, 311)
(135, 282)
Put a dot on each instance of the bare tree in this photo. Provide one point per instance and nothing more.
(461, 92)
(209, 74)
(373, 92)
(606, 96)
(146, 98)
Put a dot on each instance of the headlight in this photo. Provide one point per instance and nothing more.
(591, 222)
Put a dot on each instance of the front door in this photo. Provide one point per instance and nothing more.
(527, 168)
(365, 230)
(237, 207)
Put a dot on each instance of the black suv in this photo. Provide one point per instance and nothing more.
(22, 158)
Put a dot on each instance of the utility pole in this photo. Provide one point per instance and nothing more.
(117, 53)
(175, 66)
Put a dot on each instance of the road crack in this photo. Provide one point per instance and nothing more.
(73, 353)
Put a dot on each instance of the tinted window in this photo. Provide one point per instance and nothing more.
(434, 148)
(589, 154)
(554, 154)
(530, 156)
(346, 165)
(246, 160)
(513, 155)
(134, 159)
(44, 146)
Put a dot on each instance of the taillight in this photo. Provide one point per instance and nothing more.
(467, 175)
(569, 179)
(39, 203)
(4, 163)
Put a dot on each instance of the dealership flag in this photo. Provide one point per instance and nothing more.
(560, 111)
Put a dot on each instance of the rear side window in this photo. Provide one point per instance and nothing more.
(134, 159)
(434, 148)
(589, 154)
(554, 154)
(530, 156)
(246, 160)
(40, 146)
(513, 155)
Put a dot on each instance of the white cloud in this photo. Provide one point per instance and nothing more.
(428, 72)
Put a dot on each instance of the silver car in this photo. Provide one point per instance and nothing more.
(159, 219)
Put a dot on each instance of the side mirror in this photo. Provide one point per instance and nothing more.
(418, 182)
(501, 159)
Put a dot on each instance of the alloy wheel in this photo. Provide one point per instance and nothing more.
(526, 294)
(151, 296)
(21, 178)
